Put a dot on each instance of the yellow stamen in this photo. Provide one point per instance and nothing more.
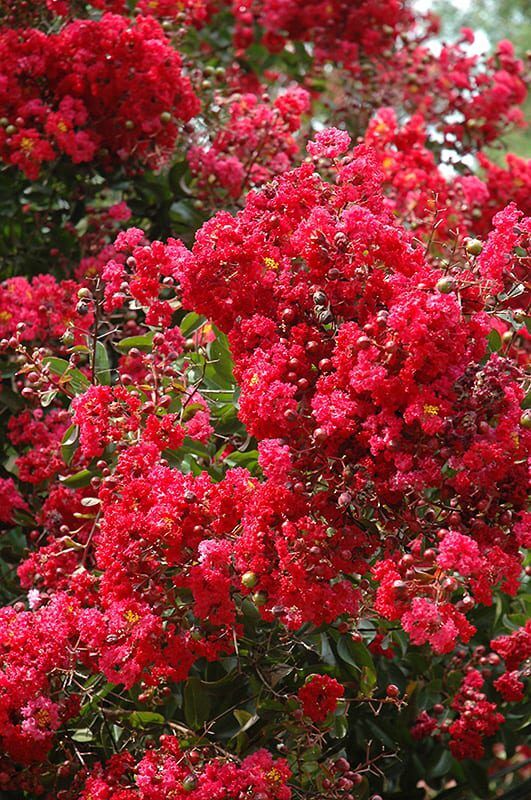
(42, 717)
(131, 616)
(274, 776)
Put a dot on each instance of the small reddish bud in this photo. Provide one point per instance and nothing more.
(342, 765)
(344, 499)
(319, 435)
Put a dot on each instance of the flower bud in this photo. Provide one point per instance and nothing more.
(525, 420)
(259, 599)
(445, 285)
(189, 783)
(249, 579)
(474, 247)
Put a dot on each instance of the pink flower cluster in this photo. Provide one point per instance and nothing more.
(254, 145)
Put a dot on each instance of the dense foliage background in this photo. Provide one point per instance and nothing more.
(264, 416)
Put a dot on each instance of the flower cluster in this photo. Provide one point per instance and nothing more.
(514, 648)
(478, 718)
(319, 697)
(142, 271)
(32, 12)
(254, 145)
(100, 90)
(10, 500)
(512, 183)
(416, 189)
(36, 646)
(468, 100)
(351, 349)
(340, 30)
(40, 310)
(391, 442)
(169, 771)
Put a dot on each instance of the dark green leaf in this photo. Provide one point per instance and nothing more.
(190, 323)
(103, 367)
(143, 343)
(196, 703)
(354, 653)
(69, 443)
(143, 719)
(72, 377)
(495, 341)
(81, 478)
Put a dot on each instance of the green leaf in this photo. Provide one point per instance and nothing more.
(367, 681)
(442, 766)
(245, 719)
(196, 703)
(190, 323)
(249, 610)
(249, 459)
(103, 367)
(96, 698)
(48, 397)
(219, 354)
(382, 736)
(143, 343)
(83, 735)
(310, 768)
(339, 727)
(495, 341)
(72, 377)
(354, 653)
(321, 644)
(79, 479)
(23, 519)
(88, 502)
(476, 778)
(175, 174)
(183, 213)
(69, 443)
(143, 719)
(79, 348)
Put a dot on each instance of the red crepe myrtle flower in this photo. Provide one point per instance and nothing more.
(319, 697)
